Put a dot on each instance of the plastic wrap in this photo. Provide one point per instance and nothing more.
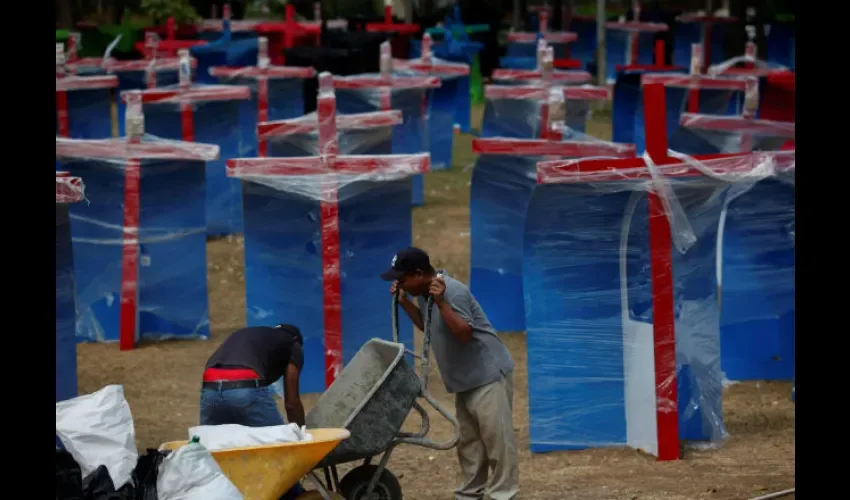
(746, 65)
(326, 225)
(630, 43)
(782, 43)
(453, 89)
(139, 243)
(632, 321)
(409, 94)
(696, 94)
(522, 51)
(205, 114)
(526, 111)
(276, 94)
(504, 177)
(83, 103)
(703, 29)
(523, 111)
(755, 254)
(68, 190)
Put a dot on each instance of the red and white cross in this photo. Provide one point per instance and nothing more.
(635, 28)
(66, 83)
(386, 81)
(707, 19)
(130, 151)
(389, 26)
(549, 37)
(745, 124)
(329, 165)
(262, 72)
(569, 77)
(186, 95)
(426, 63)
(550, 94)
(660, 237)
(68, 189)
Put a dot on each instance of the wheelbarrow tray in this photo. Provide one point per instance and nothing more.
(371, 397)
(268, 471)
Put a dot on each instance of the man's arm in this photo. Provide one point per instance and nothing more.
(412, 310)
(454, 310)
(292, 399)
(457, 325)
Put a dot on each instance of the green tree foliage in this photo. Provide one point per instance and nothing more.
(160, 10)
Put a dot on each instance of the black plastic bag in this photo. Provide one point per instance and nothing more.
(69, 478)
(146, 472)
(98, 486)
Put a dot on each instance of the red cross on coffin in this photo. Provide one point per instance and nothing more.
(654, 169)
(328, 169)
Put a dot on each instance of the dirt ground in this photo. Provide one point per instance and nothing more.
(161, 382)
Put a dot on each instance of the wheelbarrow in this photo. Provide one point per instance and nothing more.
(268, 471)
(372, 397)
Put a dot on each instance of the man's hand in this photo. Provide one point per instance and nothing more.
(438, 289)
(395, 289)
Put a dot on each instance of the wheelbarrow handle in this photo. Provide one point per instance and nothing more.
(430, 443)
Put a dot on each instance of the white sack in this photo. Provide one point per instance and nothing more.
(191, 473)
(97, 429)
(222, 437)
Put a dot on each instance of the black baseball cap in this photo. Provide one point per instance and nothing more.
(407, 261)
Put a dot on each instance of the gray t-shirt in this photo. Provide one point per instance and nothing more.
(466, 366)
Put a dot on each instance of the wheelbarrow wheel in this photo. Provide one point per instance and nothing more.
(353, 485)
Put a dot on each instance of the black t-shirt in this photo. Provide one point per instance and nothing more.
(264, 349)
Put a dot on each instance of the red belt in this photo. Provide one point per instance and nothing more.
(229, 374)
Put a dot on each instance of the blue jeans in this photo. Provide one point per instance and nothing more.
(253, 407)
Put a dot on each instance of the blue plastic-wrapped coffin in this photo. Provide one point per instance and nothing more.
(460, 52)
(224, 52)
(618, 40)
(409, 94)
(326, 231)
(689, 30)
(781, 44)
(757, 253)
(518, 111)
(282, 97)
(504, 177)
(588, 280)
(583, 49)
(84, 106)
(206, 114)
(68, 190)
(522, 48)
(708, 95)
(442, 103)
(142, 74)
(154, 192)
(627, 101)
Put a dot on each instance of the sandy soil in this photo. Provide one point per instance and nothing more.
(161, 384)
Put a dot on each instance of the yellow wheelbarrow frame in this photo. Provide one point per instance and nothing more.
(266, 472)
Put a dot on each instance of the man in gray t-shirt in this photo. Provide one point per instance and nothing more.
(476, 367)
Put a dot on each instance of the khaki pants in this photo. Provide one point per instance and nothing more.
(487, 441)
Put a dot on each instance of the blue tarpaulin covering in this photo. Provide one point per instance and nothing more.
(757, 251)
(501, 187)
(588, 288)
(283, 231)
(66, 343)
(618, 44)
(215, 122)
(411, 136)
(782, 44)
(285, 100)
(686, 34)
(89, 114)
(521, 117)
(225, 51)
(172, 272)
(136, 80)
